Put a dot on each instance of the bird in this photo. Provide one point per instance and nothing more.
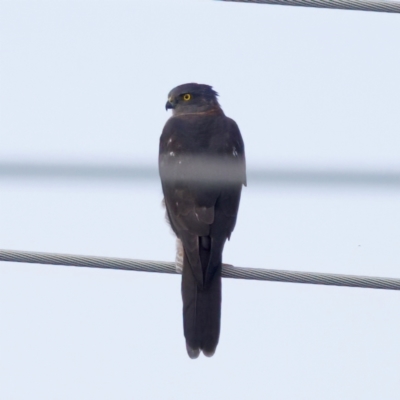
(202, 168)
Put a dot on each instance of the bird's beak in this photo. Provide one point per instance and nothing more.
(170, 104)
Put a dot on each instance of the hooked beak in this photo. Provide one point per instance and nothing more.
(170, 104)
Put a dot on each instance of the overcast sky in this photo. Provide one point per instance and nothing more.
(87, 81)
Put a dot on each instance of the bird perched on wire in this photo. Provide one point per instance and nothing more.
(202, 169)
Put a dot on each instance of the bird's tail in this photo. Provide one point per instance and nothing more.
(201, 307)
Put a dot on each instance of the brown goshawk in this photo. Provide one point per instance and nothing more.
(202, 170)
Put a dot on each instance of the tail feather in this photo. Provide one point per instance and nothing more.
(201, 309)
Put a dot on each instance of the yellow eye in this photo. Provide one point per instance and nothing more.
(187, 97)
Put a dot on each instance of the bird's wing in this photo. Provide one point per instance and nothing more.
(196, 172)
(202, 169)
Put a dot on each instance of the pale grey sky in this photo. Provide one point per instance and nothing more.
(87, 81)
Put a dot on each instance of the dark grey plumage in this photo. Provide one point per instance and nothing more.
(202, 170)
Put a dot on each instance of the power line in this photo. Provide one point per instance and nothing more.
(357, 5)
(228, 271)
(131, 173)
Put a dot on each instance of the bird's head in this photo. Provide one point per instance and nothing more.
(192, 98)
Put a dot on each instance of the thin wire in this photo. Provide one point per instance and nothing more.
(228, 271)
(359, 5)
(271, 176)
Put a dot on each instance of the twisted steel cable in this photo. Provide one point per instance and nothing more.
(359, 5)
(228, 271)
